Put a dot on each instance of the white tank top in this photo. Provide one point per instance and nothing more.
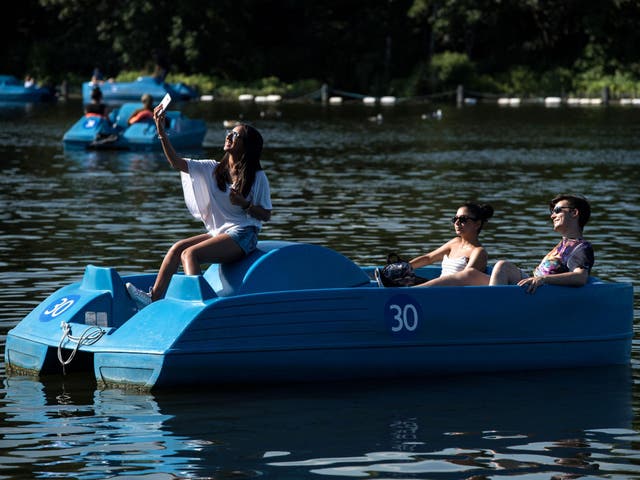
(453, 265)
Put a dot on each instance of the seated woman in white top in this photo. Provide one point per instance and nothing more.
(464, 259)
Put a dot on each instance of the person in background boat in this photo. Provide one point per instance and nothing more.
(231, 196)
(464, 259)
(569, 263)
(145, 113)
(96, 77)
(96, 106)
(29, 81)
(161, 68)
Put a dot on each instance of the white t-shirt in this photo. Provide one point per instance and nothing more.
(206, 202)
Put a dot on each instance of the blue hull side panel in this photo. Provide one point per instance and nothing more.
(246, 323)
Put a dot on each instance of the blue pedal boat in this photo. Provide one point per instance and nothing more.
(114, 133)
(13, 90)
(296, 312)
(122, 92)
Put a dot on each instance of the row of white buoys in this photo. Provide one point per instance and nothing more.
(550, 101)
(391, 100)
(272, 98)
(512, 101)
(572, 101)
(386, 100)
(584, 101)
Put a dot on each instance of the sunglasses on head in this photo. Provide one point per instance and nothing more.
(557, 210)
(462, 219)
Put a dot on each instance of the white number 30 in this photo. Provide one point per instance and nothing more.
(404, 317)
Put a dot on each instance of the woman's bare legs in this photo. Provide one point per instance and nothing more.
(468, 276)
(170, 264)
(219, 249)
(192, 252)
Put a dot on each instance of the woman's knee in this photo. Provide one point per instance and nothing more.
(499, 273)
(178, 248)
(500, 265)
(188, 255)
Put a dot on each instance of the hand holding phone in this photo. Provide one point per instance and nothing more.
(165, 103)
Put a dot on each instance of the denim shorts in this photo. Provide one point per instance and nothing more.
(246, 237)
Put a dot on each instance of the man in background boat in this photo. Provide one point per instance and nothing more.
(145, 113)
(569, 263)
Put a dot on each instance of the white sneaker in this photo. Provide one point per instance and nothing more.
(141, 297)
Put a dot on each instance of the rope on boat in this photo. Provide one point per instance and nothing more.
(90, 336)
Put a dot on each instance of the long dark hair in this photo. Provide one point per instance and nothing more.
(248, 164)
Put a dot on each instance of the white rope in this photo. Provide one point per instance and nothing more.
(90, 336)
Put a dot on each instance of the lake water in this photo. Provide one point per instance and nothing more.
(342, 178)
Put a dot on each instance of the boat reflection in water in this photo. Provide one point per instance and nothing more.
(452, 427)
(122, 160)
(555, 423)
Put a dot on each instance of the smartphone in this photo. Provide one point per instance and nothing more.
(165, 102)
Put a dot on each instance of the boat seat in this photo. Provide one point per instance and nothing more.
(124, 112)
(278, 265)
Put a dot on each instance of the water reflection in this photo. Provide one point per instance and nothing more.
(363, 188)
(11, 109)
(563, 422)
(84, 432)
(114, 160)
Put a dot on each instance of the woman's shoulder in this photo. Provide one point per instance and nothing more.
(202, 161)
(479, 252)
(479, 248)
(261, 177)
(200, 165)
(454, 242)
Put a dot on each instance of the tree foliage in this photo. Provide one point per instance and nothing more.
(375, 46)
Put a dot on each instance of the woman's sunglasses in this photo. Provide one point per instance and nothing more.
(233, 134)
(462, 219)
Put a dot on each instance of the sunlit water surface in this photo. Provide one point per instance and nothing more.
(363, 187)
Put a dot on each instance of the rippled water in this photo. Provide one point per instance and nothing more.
(362, 187)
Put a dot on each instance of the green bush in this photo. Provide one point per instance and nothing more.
(451, 69)
(226, 89)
